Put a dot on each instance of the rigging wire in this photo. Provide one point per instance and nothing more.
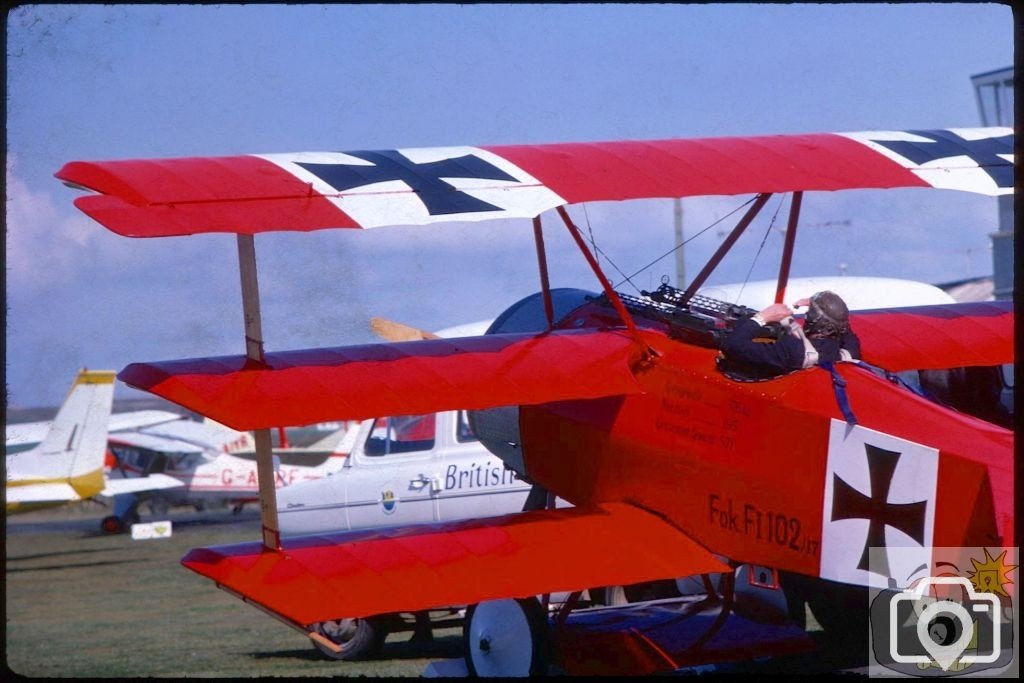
(628, 278)
(759, 249)
(590, 231)
(598, 251)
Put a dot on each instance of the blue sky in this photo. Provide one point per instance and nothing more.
(88, 82)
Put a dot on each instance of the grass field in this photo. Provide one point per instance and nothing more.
(81, 604)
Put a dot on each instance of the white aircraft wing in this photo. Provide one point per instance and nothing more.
(207, 435)
(141, 418)
(859, 292)
(26, 433)
(154, 442)
(153, 482)
(43, 493)
(31, 433)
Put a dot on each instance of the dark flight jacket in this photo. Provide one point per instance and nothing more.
(761, 359)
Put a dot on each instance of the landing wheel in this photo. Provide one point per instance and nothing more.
(506, 638)
(357, 638)
(111, 525)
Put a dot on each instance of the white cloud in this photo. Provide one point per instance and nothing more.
(47, 245)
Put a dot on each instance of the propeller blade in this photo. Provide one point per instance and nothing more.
(397, 332)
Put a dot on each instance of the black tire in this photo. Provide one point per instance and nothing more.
(111, 524)
(506, 638)
(356, 638)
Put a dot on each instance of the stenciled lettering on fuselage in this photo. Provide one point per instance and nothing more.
(761, 524)
(983, 153)
(417, 186)
(880, 493)
(478, 476)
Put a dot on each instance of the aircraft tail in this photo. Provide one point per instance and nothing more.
(73, 451)
(338, 442)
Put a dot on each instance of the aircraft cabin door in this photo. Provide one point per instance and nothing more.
(475, 482)
(395, 480)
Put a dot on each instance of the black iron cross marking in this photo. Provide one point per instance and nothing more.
(849, 503)
(424, 179)
(942, 144)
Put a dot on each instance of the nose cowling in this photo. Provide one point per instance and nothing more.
(498, 428)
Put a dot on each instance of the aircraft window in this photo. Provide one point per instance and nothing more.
(463, 430)
(141, 460)
(182, 462)
(127, 456)
(402, 434)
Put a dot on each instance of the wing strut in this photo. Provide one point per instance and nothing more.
(254, 352)
(542, 263)
(787, 249)
(605, 284)
(717, 257)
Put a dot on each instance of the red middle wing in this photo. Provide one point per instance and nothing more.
(357, 382)
(935, 337)
(316, 578)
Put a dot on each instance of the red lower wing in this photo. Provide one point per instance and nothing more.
(358, 382)
(318, 578)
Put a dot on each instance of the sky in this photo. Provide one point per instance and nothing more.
(92, 82)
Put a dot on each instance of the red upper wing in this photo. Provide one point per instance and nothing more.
(357, 382)
(317, 578)
(935, 337)
(250, 194)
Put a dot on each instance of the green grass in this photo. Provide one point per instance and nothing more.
(80, 604)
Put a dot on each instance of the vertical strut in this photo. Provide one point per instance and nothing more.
(713, 262)
(542, 263)
(254, 352)
(787, 249)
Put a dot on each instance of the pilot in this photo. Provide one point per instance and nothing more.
(825, 337)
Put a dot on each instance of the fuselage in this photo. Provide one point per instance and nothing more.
(771, 472)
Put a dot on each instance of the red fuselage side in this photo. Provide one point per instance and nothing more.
(741, 466)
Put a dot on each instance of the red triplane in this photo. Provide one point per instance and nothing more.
(612, 402)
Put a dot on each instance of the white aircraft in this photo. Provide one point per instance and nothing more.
(184, 462)
(67, 464)
(859, 293)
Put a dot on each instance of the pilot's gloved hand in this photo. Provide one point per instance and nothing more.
(773, 314)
